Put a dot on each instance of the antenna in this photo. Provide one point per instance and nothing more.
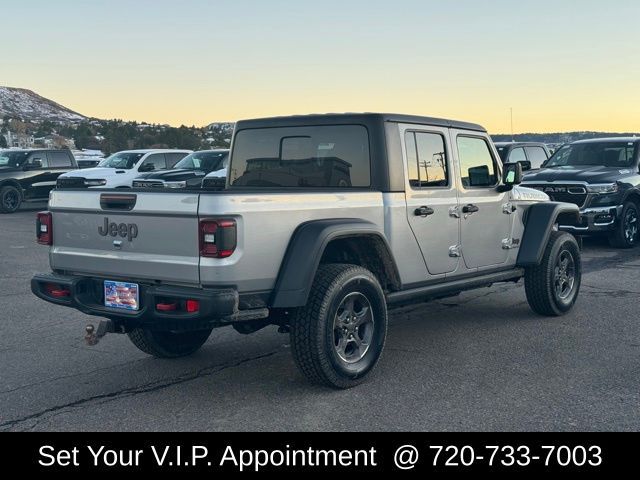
(512, 139)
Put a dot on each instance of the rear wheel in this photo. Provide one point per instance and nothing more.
(338, 337)
(10, 199)
(627, 233)
(163, 344)
(552, 287)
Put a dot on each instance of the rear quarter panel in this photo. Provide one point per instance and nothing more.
(266, 224)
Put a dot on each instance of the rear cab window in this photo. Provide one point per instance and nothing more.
(326, 156)
(59, 159)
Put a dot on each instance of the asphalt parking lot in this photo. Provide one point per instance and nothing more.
(481, 361)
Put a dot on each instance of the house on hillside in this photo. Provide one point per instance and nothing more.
(19, 140)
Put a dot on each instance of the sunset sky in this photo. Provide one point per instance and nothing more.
(562, 65)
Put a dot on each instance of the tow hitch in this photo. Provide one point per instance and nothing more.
(93, 336)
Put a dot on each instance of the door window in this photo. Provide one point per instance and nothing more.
(477, 165)
(173, 158)
(157, 160)
(38, 157)
(427, 160)
(537, 156)
(517, 155)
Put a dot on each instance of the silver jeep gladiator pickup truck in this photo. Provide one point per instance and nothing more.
(325, 222)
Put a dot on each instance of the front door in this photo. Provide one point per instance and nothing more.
(484, 211)
(431, 196)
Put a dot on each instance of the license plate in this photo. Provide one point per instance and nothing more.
(122, 295)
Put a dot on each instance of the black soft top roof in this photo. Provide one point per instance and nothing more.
(347, 118)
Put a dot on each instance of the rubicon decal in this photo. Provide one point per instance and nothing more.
(125, 230)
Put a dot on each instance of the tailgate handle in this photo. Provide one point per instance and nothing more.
(110, 201)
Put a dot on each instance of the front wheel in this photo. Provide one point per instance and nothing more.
(552, 287)
(165, 344)
(338, 337)
(10, 199)
(627, 233)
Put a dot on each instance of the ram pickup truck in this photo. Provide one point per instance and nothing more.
(602, 177)
(326, 222)
(29, 175)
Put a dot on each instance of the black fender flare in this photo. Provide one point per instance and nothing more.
(305, 251)
(539, 222)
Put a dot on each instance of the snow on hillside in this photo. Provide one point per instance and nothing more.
(29, 106)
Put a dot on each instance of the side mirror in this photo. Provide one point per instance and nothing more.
(511, 176)
(526, 165)
(147, 167)
(33, 164)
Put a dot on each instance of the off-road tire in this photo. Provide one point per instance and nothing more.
(540, 281)
(619, 237)
(313, 326)
(165, 344)
(5, 192)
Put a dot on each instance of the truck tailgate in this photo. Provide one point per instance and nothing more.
(132, 235)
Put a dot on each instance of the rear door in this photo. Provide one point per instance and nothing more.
(59, 163)
(432, 196)
(485, 217)
(112, 235)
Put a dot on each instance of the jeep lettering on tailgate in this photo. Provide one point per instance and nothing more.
(125, 230)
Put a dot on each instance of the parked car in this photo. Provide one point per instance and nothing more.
(429, 211)
(530, 154)
(29, 175)
(602, 177)
(188, 172)
(120, 169)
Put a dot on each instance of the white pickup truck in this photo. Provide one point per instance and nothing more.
(325, 221)
(120, 169)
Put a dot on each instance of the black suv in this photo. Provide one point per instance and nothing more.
(530, 155)
(27, 175)
(602, 177)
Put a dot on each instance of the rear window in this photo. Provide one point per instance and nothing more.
(318, 156)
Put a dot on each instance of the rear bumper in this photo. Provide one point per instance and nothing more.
(595, 220)
(216, 306)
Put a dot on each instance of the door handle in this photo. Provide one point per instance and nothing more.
(470, 209)
(424, 212)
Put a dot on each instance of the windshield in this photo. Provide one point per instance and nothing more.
(12, 159)
(606, 154)
(206, 161)
(123, 160)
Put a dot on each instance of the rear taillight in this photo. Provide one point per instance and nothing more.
(217, 238)
(44, 228)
